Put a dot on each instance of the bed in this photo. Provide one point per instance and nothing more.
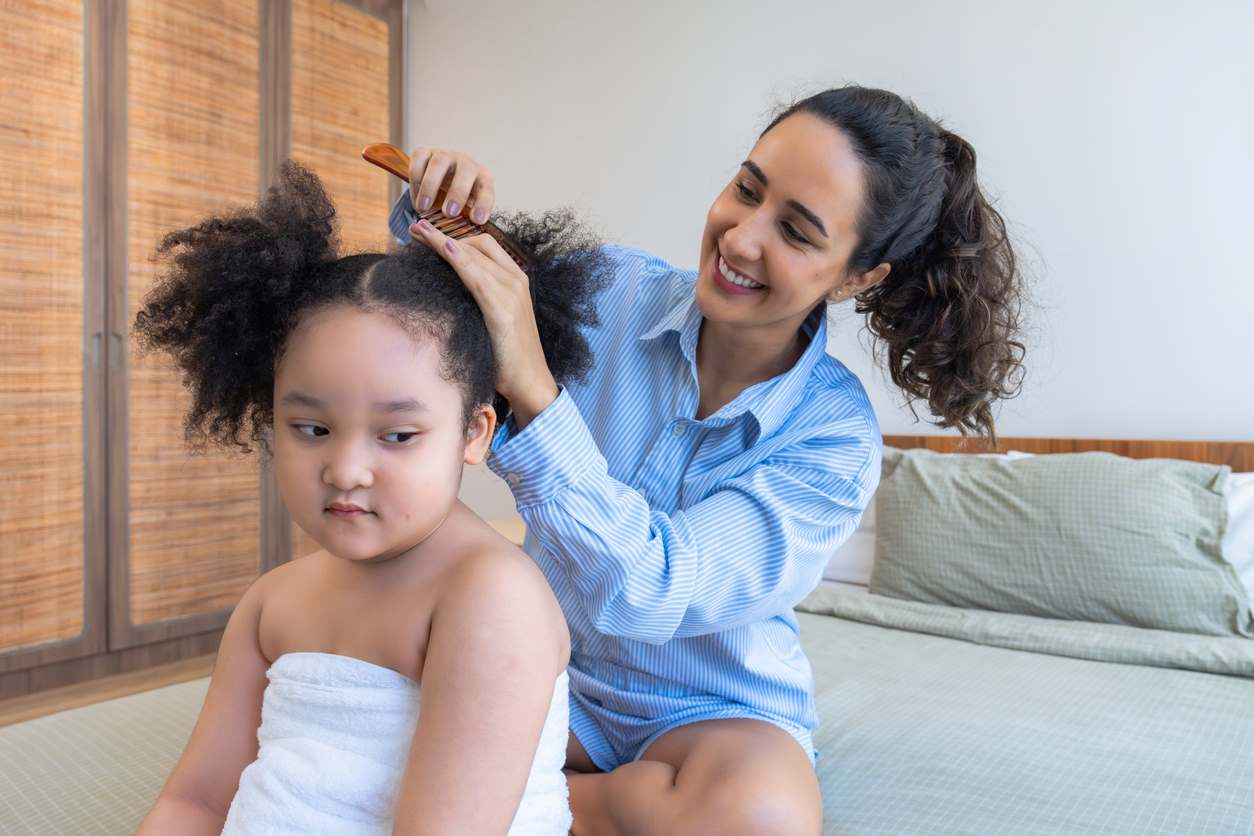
(934, 718)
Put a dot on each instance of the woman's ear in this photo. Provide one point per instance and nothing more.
(479, 434)
(854, 285)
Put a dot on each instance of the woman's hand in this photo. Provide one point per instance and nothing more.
(470, 183)
(501, 290)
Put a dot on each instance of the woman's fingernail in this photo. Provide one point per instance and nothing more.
(425, 225)
(424, 203)
(450, 209)
(450, 246)
(478, 216)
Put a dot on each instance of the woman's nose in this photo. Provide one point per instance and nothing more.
(742, 242)
(349, 467)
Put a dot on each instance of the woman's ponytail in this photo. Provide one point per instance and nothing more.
(946, 318)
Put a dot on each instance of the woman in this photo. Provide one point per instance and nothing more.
(687, 494)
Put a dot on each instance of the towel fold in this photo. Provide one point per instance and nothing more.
(334, 740)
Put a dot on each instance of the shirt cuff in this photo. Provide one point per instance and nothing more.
(402, 216)
(547, 455)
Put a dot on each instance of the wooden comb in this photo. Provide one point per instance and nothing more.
(395, 161)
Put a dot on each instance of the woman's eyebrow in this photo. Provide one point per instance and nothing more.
(800, 208)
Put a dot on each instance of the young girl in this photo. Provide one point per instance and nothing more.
(410, 677)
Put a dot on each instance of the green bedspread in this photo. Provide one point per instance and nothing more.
(937, 720)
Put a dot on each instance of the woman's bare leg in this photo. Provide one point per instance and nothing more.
(724, 777)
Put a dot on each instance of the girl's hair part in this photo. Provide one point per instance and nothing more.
(236, 285)
(947, 316)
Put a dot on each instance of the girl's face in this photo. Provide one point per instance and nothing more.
(368, 436)
(779, 236)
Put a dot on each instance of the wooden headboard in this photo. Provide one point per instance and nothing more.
(1239, 455)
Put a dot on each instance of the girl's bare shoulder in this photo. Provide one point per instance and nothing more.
(496, 590)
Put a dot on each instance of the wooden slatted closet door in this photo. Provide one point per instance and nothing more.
(45, 309)
(192, 530)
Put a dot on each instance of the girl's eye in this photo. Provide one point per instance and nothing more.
(311, 430)
(398, 437)
(744, 191)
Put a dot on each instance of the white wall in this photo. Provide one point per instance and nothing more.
(1117, 138)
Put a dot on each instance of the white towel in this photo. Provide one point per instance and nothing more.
(334, 739)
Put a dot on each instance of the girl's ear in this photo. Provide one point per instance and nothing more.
(479, 434)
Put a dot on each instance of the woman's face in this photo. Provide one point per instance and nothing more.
(368, 437)
(779, 236)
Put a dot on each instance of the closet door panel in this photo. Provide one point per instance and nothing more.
(189, 544)
(49, 323)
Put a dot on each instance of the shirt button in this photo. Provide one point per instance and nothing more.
(679, 428)
(513, 478)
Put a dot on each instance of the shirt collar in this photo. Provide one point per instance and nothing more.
(768, 402)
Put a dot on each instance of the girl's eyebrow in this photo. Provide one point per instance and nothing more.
(403, 405)
(406, 405)
(301, 399)
(800, 208)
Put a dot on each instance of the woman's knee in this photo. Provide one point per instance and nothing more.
(740, 807)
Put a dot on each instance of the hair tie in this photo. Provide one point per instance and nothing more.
(967, 249)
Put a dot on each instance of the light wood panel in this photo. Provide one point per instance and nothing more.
(42, 306)
(193, 89)
(1239, 455)
(341, 102)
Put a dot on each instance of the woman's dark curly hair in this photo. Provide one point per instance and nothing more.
(237, 285)
(948, 313)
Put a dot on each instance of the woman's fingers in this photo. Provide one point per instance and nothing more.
(469, 183)
(464, 173)
(472, 266)
(417, 167)
(437, 168)
(492, 249)
(482, 197)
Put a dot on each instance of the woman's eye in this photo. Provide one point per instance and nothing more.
(311, 430)
(744, 191)
(791, 232)
(398, 437)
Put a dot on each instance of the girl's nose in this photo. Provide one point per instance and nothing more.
(349, 467)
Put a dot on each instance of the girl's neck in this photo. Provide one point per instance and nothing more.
(732, 358)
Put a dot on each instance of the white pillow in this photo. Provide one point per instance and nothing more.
(1238, 543)
(853, 559)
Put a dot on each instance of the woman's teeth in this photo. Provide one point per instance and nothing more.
(735, 278)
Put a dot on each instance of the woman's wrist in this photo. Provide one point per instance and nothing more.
(533, 400)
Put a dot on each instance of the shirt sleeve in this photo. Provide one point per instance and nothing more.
(751, 549)
(401, 216)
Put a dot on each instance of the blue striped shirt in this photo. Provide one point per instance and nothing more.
(678, 547)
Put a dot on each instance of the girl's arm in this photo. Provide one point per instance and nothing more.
(198, 792)
(496, 646)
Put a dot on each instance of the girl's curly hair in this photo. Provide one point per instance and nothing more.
(236, 285)
(947, 315)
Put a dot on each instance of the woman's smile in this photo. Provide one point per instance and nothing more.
(731, 282)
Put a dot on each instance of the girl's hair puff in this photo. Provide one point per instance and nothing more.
(236, 285)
